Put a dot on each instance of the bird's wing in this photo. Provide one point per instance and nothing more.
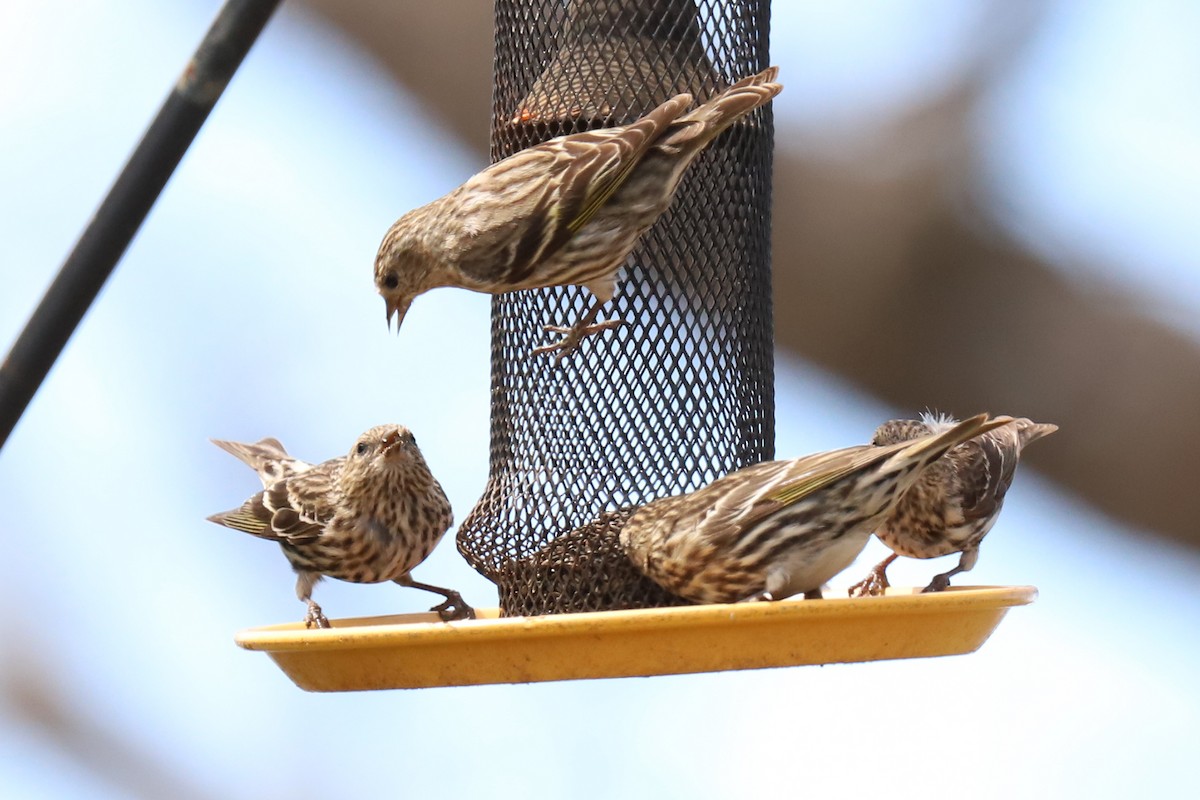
(294, 510)
(802, 477)
(735, 502)
(520, 211)
(784, 483)
(985, 466)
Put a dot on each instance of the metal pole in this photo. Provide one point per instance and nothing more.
(129, 200)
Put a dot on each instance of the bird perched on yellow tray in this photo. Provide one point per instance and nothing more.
(779, 528)
(955, 502)
(565, 212)
(366, 517)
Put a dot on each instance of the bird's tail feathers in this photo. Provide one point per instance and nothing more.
(934, 447)
(267, 457)
(723, 110)
(1030, 431)
(253, 454)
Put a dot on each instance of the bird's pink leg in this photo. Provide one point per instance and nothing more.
(576, 333)
(305, 580)
(315, 618)
(453, 608)
(876, 581)
(966, 561)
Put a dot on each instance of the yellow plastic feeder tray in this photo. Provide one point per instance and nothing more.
(411, 651)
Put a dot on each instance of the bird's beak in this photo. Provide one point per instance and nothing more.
(397, 309)
(391, 441)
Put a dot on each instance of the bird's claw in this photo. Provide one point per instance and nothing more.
(572, 337)
(870, 586)
(315, 618)
(453, 608)
(940, 583)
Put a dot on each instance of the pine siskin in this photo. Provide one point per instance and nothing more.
(779, 528)
(564, 212)
(955, 502)
(367, 517)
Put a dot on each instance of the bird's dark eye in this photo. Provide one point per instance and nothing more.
(391, 280)
(361, 449)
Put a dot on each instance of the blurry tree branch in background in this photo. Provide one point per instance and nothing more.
(441, 52)
(37, 695)
(888, 273)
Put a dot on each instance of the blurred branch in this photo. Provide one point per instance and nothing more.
(38, 697)
(900, 284)
(441, 52)
(882, 285)
(886, 274)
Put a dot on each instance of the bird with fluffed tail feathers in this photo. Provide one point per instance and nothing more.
(366, 517)
(955, 502)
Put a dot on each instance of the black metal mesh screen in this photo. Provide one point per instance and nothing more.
(683, 392)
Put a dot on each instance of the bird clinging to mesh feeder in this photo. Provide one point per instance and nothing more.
(565, 212)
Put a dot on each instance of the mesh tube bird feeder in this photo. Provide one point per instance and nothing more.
(683, 392)
(678, 396)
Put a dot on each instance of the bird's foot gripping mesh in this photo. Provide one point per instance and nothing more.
(683, 392)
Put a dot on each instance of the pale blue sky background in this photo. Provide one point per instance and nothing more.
(244, 308)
